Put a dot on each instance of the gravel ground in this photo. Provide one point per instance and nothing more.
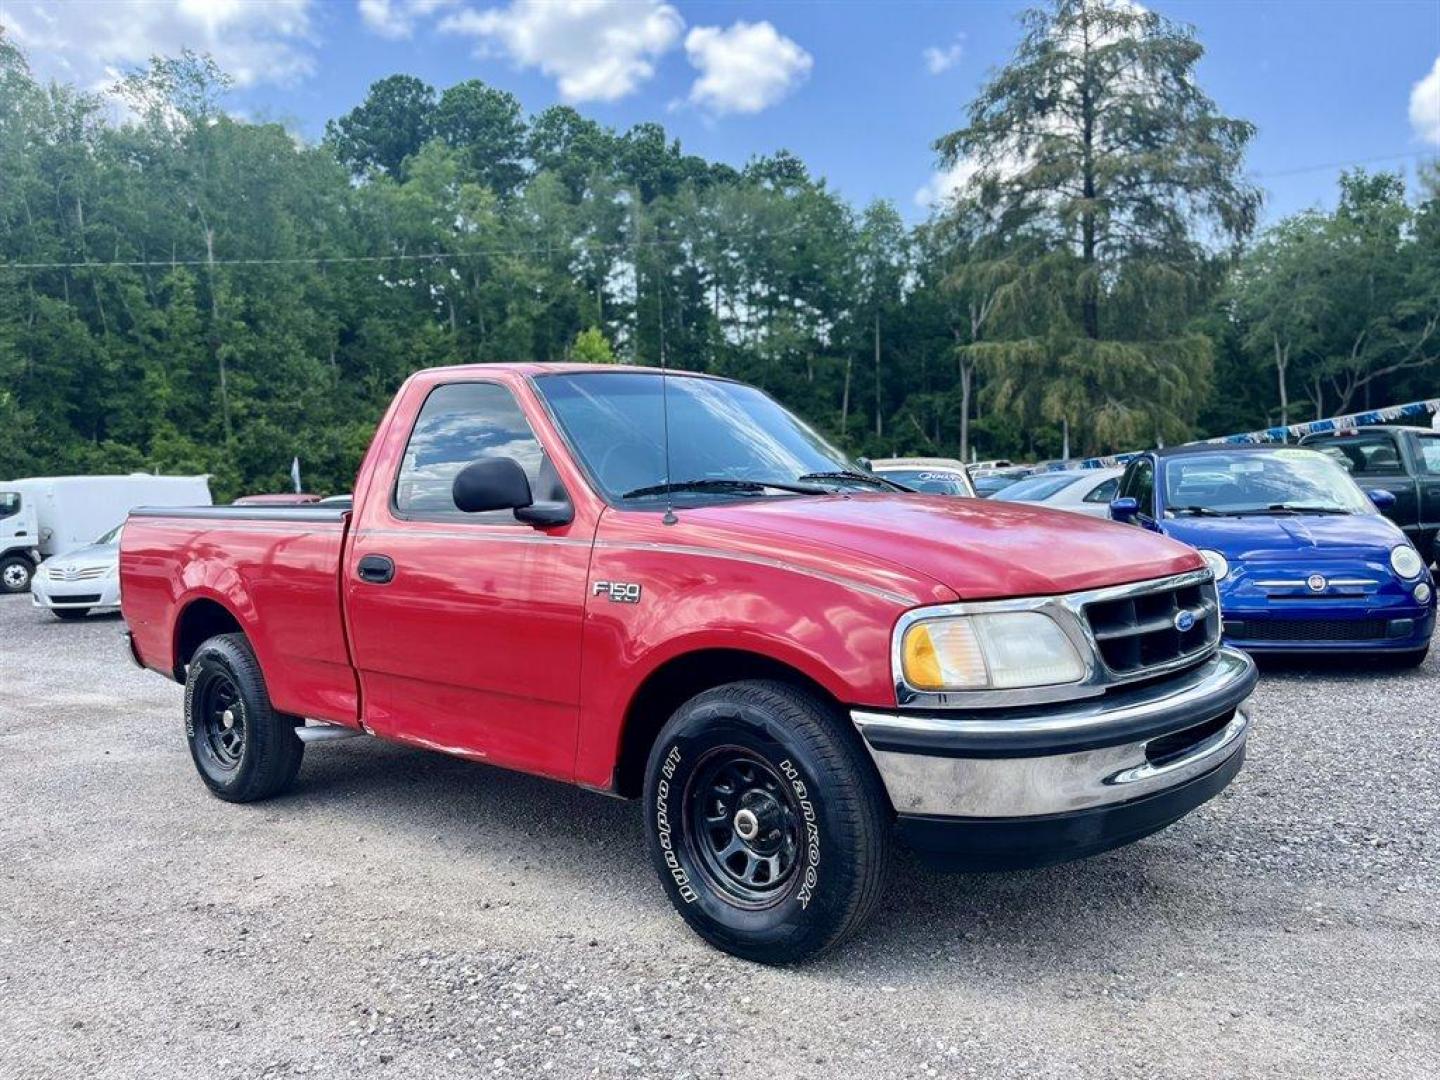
(402, 914)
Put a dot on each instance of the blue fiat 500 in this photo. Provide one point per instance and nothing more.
(1304, 560)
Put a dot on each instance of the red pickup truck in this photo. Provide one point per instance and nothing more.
(668, 587)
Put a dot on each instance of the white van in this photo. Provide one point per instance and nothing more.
(48, 515)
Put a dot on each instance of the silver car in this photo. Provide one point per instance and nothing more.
(80, 581)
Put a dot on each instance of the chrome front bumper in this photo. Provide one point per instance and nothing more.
(1064, 759)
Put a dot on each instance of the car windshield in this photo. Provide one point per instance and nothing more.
(111, 537)
(932, 481)
(1037, 488)
(727, 440)
(1283, 480)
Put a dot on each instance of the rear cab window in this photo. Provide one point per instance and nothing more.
(1369, 453)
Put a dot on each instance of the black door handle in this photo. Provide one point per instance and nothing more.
(376, 569)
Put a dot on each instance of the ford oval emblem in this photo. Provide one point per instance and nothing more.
(1316, 582)
(1184, 620)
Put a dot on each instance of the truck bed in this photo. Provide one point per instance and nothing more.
(283, 560)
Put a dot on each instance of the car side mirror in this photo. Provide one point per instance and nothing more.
(1383, 500)
(499, 483)
(1124, 509)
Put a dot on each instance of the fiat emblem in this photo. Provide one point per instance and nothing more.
(1184, 620)
(1316, 582)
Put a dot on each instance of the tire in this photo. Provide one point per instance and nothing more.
(70, 614)
(16, 572)
(242, 748)
(818, 851)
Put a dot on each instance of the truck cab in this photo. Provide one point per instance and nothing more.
(19, 543)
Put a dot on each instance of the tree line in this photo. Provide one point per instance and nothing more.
(188, 291)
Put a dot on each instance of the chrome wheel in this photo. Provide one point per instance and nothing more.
(16, 577)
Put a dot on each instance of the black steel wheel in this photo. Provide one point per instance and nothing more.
(767, 822)
(744, 825)
(242, 748)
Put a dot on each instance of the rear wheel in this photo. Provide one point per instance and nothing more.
(767, 822)
(70, 614)
(15, 574)
(243, 749)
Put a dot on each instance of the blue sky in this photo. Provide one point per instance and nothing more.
(858, 89)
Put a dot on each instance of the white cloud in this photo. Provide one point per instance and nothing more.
(596, 50)
(938, 60)
(945, 184)
(1425, 106)
(397, 18)
(83, 40)
(745, 68)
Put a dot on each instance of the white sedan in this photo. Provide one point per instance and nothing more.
(1082, 491)
(80, 581)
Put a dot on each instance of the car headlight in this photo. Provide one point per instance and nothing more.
(997, 651)
(1218, 566)
(1406, 562)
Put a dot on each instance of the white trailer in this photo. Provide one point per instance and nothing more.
(42, 516)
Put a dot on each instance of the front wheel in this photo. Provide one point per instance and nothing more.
(15, 574)
(243, 749)
(766, 820)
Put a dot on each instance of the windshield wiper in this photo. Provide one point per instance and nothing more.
(1198, 511)
(723, 484)
(1301, 508)
(850, 474)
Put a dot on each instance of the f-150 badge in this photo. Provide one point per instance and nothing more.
(619, 592)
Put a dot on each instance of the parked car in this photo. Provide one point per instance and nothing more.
(934, 476)
(786, 658)
(282, 498)
(1405, 461)
(986, 484)
(87, 579)
(1304, 560)
(41, 516)
(1081, 491)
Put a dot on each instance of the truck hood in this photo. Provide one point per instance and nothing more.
(1262, 536)
(977, 548)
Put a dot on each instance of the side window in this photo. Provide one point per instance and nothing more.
(1103, 493)
(9, 503)
(460, 423)
(1427, 456)
(1142, 487)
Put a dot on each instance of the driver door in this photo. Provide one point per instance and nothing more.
(465, 628)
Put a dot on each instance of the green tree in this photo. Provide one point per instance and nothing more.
(396, 118)
(592, 347)
(1096, 146)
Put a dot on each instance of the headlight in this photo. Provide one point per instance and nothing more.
(1218, 566)
(1406, 562)
(999, 651)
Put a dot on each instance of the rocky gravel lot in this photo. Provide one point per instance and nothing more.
(402, 914)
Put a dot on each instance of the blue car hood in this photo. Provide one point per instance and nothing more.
(1257, 537)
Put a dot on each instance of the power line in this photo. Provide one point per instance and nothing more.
(318, 260)
(1404, 154)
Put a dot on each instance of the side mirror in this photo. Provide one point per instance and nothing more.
(1383, 500)
(865, 463)
(499, 483)
(1124, 509)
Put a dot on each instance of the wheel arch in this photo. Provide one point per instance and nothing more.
(199, 620)
(677, 680)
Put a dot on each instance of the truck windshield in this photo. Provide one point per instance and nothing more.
(1281, 481)
(9, 503)
(727, 440)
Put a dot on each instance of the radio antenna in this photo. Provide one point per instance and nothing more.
(669, 518)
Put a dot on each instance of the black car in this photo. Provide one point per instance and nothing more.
(1404, 461)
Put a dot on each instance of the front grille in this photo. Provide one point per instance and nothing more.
(84, 573)
(1142, 630)
(1308, 630)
